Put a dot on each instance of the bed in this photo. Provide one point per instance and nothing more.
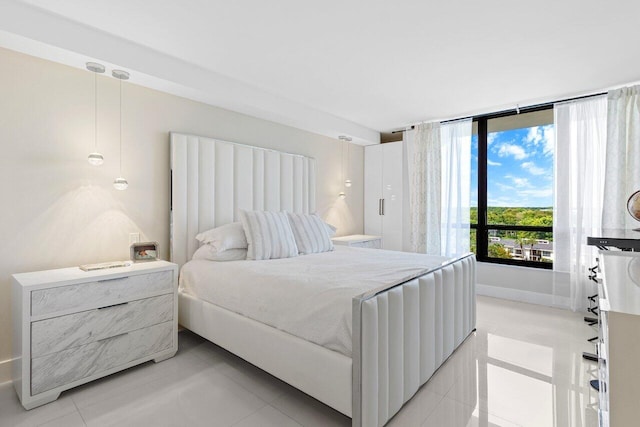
(394, 325)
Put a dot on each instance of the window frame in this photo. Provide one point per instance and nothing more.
(482, 227)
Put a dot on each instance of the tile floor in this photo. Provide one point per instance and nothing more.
(522, 367)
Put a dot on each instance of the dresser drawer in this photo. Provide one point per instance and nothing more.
(372, 244)
(60, 333)
(74, 364)
(110, 291)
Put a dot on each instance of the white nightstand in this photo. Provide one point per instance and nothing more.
(359, 240)
(72, 326)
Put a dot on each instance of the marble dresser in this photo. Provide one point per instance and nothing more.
(71, 326)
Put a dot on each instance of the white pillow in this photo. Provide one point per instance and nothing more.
(225, 237)
(310, 233)
(331, 230)
(268, 234)
(210, 253)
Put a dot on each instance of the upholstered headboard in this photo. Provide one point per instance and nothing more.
(212, 179)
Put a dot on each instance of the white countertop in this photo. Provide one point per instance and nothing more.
(621, 273)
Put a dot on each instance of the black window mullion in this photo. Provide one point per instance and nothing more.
(482, 235)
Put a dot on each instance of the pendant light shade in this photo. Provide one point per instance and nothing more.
(95, 158)
(120, 183)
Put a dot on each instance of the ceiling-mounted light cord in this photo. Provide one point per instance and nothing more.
(120, 183)
(120, 127)
(95, 158)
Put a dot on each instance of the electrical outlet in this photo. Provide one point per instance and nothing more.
(134, 238)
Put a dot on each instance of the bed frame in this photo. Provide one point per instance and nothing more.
(401, 333)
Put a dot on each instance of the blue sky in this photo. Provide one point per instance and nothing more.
(519, 167)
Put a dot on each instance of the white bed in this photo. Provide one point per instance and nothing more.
(407, 312)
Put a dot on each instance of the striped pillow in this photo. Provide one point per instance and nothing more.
(268, 234)
(310, 232)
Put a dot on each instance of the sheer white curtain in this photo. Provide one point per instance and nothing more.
(622, 175)
(423, 158)
(456, 186)
(579, 168)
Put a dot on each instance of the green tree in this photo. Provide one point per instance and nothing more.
(497, 250)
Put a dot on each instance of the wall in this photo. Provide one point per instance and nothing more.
(59, 211)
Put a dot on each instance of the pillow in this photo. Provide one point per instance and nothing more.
(268, 234)
(210, 253)
(331, 230)
(225, 237)
(310, 233)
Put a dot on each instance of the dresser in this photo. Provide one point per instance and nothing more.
(619, 344)
(71, 326)
(359, 241)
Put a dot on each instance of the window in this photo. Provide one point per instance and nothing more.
(512, 188)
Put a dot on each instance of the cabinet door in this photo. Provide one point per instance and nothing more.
(392, 196)
(372, 189)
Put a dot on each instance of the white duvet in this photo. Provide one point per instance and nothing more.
(308, 296)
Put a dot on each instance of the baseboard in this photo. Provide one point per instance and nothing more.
(5, 370)
(523, 296)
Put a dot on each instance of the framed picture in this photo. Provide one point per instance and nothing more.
(144, 251)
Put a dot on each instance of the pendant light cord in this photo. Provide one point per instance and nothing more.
(95, 110)
(120, 127)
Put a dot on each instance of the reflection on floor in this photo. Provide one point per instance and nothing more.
(522, 367)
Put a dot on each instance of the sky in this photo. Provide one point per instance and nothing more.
(519, 167)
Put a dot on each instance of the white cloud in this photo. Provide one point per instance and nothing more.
(549, 137)
(516, 151)
(538, 192)
(518, 182)
(492, 163)
(534, 136)
(533, 169)
(491, 137)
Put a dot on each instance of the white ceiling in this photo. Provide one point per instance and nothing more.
(368, 64)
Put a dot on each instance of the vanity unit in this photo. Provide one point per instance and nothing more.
(72, 326)
(619, 345)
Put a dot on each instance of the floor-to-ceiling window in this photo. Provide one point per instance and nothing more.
(512, 187)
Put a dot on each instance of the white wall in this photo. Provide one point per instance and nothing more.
(59, 211)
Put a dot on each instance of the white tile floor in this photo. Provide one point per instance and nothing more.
(522, 367)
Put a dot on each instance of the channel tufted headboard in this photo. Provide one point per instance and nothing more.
(212, 179)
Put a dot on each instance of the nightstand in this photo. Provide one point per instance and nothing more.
(359, 241)
(72, 326)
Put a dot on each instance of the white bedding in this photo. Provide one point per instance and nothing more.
(308, 296)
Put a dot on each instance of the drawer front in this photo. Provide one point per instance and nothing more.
(60, 333)
(373, 244)
(67, 366)
(64, 298)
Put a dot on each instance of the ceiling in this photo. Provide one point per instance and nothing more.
(357, 67)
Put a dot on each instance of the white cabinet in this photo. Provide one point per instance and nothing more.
(71, 326)
(619, 346)
(383, 198)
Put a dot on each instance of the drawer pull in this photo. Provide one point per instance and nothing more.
(114, 337)
(113, 280)
(114, 305)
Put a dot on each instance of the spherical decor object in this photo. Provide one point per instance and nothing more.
(633, 206)
(120, 184)
(95, 159)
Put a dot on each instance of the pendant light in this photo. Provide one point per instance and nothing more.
(95, 158)
(120, 183)
(347, 182)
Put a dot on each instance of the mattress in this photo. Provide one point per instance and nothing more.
(309, 296)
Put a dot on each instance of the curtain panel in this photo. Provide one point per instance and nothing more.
(622, 175)
(579, 169)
